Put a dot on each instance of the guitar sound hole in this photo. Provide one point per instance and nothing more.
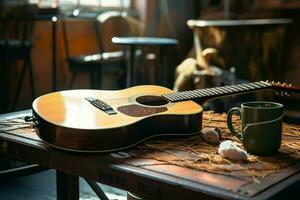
(151, 100)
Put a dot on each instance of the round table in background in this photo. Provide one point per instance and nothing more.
(132, 42)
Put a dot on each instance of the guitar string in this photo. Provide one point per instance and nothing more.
(215, 91)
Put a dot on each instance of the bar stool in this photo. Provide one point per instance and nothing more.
(16, 44)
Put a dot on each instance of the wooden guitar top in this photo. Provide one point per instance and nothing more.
(70, 109)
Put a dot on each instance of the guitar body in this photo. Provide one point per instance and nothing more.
(70, 119)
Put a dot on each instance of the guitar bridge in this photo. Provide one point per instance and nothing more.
(101, 105)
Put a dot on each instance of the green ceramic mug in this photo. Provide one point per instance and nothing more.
(261, 126)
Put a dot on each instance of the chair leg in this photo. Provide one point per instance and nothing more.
(1, 91)
(122, 79)
(19, 84)
(5, 83)
(98, 77)
(92, 80)
(97, 189)
(74, 75)
(2, 88)
(31, 78)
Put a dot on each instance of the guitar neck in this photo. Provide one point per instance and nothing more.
(215, 92)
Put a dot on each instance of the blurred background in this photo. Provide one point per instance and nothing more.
(67, 40)
(53, 45)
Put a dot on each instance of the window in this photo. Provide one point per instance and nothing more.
(83, 3)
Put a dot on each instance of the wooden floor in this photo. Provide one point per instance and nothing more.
(42, 186)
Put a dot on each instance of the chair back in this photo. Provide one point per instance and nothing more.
(111, 24)
(79, 37)
(17, 23)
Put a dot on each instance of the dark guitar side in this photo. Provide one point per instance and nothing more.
(119, 138)
(132, 124)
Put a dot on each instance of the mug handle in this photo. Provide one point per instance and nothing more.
(235, 110)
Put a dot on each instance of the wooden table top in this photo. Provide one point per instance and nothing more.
(18, 140)
(236, 22)
(144, 41)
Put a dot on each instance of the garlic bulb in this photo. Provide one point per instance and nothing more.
(211, 135)
(228, 149)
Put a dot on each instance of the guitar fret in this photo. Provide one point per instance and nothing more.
(249, 86)
(206, 91)
(263, 84)
(176, 99)
(193, 94)
(246, 86)
(260, 84)
(212, 90)
(173, 97)
(189, 95)
(219, 90)
(184, 96)
(168, 96)
(177, 96)
(243, 87)
(181, 95)
(200, 93)
(254, 85)
(197, 94)
(237, 89)
(227, 89)
(215, 90)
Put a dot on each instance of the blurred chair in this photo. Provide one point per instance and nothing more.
(107, 25)
(16, 42)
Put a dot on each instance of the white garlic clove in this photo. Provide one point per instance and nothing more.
(211, 135)
(228, 149)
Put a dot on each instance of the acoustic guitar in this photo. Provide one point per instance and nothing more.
(102, 120)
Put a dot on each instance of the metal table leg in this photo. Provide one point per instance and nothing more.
(131, 67)
(54, 20)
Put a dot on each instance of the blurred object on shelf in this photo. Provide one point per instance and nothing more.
(253, 47)
(188, 73)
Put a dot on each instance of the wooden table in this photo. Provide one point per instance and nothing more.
(162, 72)
(155, 181)
(234, 38)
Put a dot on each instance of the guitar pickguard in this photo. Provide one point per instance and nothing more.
(135, 110)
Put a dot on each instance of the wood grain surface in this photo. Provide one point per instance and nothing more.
(142, 176)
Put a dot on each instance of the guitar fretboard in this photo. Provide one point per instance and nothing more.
(216, 91)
